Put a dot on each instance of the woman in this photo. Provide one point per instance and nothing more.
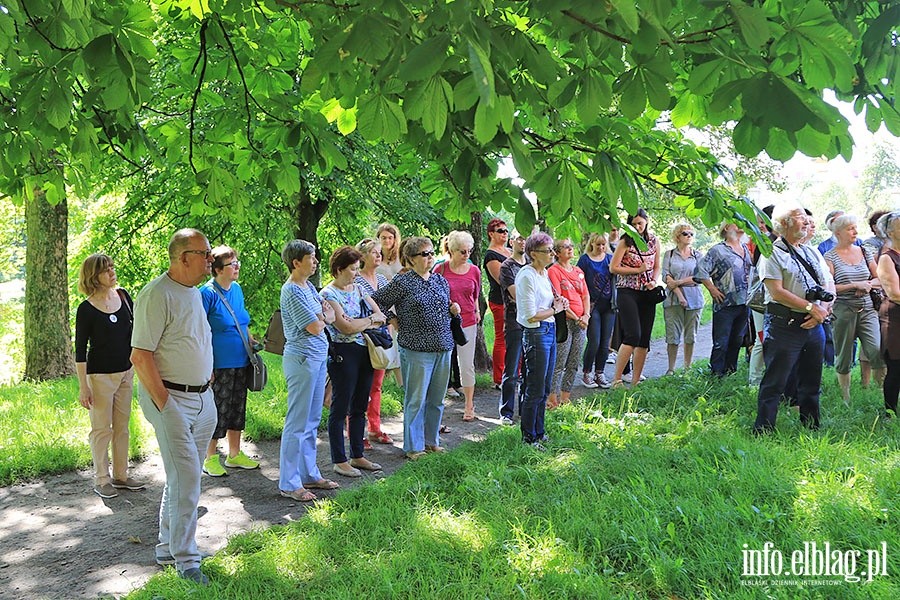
(535, 307)
(304, 316)
(423, 308)
(351, 375)
(464, 279)
(638, 271)
(370, 281)
(595, 265)
(103, 325)
(684, 302)
(855, 274)
(231, 364)
(725, 271)
(889, 276)
(389, 237)
(568, 282)
(497, 252)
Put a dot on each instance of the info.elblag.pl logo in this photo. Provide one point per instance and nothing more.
(813, 564)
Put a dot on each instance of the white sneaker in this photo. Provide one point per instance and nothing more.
(602, 382)
(611, 359)
(451, 393)
(587, 380)
(627, 378)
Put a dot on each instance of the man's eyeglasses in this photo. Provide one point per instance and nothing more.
(687, 233)
(425, 253)
(203, 253)
(501, 231)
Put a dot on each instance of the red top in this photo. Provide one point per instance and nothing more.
(570, 285)
(464, 290)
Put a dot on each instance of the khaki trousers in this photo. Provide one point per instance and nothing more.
(110, 413)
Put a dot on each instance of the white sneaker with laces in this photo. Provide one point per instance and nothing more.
(611, 359)
(587, 380)
(602, 382)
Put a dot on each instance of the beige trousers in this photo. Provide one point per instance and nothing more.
(110, 413)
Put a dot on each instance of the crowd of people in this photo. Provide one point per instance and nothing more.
(558, 321)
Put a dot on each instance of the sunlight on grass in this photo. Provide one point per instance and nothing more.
(462, 530)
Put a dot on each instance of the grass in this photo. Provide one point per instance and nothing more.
(44, 430)
(642, 494)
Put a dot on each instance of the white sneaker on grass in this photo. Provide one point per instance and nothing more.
(587, 380)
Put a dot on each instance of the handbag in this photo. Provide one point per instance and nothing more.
(878, 297)
(383, 354)
(456, 328)
(658, 294)
(259, 376)
(562, 330)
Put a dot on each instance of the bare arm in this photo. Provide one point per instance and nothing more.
(85, 395)
(148, 373)
(887, 275)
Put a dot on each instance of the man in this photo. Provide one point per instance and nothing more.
(799, 293)
(173, 357)
(512, 330)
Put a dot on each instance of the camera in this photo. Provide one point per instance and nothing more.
(817, 292)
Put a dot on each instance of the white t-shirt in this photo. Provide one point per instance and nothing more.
(533, 294)
(170, 322)
(793, 275)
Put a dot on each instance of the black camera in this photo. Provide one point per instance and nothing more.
(817, 292)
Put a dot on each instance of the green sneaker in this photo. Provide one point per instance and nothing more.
(214, 468)
(241, 461)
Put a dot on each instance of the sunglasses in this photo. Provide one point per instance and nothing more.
(425, 253)
(687, 233)
(467, 251)
(501, 231)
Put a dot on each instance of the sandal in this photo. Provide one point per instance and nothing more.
(552, 405)
(414, 455)
(380, 438)
(435, 449)
(301, 495)
(469, 417)
(322, 484)
(444, 429)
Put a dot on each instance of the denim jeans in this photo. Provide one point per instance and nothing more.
(539, 346)
(351, 380)
(788, 345)
(729, 326)
(425, 376)
(305, 377)
(599, 332)
(510, 383)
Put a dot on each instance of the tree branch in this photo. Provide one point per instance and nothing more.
(201, 55)
(34, 25)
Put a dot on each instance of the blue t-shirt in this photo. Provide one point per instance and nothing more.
(596, 274)
(301, 306)
(228, 348)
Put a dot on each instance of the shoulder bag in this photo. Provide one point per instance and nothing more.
(259, 376)
(456, 326)
(383, 354)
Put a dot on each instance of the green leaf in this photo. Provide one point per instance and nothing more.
(346, 121)
(525, 216)
(521, 157)
(380, 119)
(749, 138)
(57, 108)
(633, 98)
(657, 89)
(780, 146)
(873, 117)
(482, 71)
(706, 77)
(434, 117)
(628, 11)
(486, 122)
(813, 143)
(465, 94)
(752, 22)
(506, 112)
(425, 60)
(891, 117)
(593, 94)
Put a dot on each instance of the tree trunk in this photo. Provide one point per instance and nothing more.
(306, 225)
(48, 336)
(483, 362)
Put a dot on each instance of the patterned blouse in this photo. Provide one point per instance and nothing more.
(350, 304)
(634, 258)
(729, 271)
(422, 311)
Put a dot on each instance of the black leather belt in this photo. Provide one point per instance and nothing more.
(780, 310)
(179, 387)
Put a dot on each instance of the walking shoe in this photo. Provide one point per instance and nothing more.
(105, 491)
(241, 461)
(601, 381)
(537, 446)
(168, 559)
(128, 484)
(506, 421)
(451, 393)
(214, 468)
(195, 575)
(628, 379)
(588, 380)
(611, 359)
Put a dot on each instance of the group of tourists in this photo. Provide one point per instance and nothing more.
(557, 320)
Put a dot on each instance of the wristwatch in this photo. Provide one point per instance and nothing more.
(808, 307)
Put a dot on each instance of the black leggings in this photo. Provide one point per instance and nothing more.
(891, 383)
(637, 311)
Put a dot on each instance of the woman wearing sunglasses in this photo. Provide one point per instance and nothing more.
(683, 305)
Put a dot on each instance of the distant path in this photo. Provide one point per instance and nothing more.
(59, 540)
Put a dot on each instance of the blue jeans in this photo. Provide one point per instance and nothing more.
(599, 332)
(425, 377)
(305, 378)
(786, 345)
(539, 344)
(351, 380)
(510, 382)
(729, 326)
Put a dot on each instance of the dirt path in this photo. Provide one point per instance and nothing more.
(59, 540)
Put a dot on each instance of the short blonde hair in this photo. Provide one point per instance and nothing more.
(92, 267)
(459, 239)
(365, 246)
(596, 238)
(678, 228)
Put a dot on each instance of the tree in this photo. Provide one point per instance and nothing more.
(570, 90)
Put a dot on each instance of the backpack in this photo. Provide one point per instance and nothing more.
(274, 340)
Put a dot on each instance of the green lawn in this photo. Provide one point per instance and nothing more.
(645, 494)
